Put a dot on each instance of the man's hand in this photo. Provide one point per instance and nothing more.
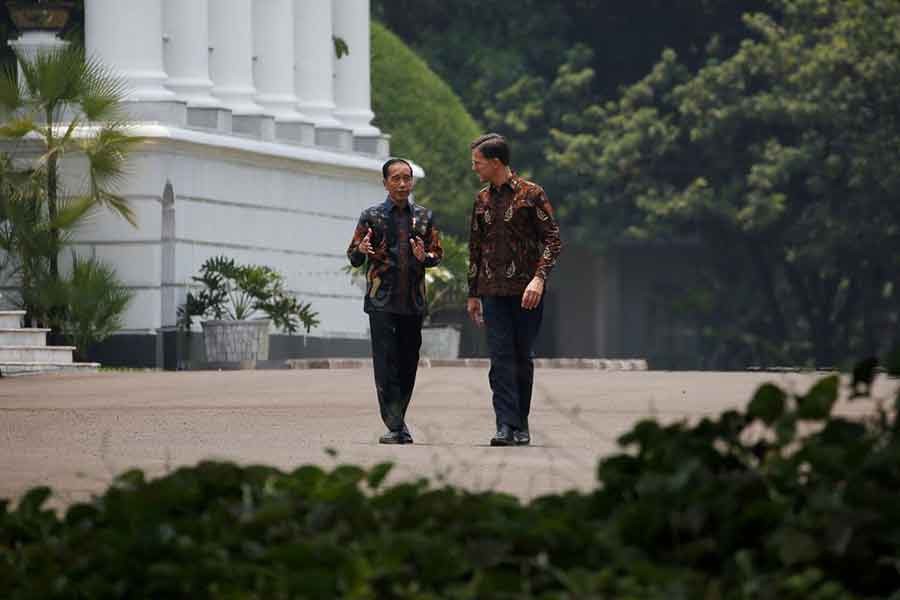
(365, 246)
(418, 248)
(532, 296)
(473, 306)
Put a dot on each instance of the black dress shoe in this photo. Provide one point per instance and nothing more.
(521, 437)
(504, 437)
(394, 437)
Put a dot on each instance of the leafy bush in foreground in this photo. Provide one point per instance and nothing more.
(784, 500)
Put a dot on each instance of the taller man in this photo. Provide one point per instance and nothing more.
(400, 240)
(513, 245)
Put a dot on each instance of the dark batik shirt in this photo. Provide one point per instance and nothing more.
(514, 238)
(391, 286)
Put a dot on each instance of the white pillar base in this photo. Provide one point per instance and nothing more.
(212, 118)
(256, 126)
(163, 111)
(376, 145)
(337, 138)
(295, 132)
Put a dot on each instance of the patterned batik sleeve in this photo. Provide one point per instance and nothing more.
(474, 253)
(434, 252)
(356, 257)
(548, 231)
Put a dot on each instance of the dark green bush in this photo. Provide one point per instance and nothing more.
(781, 501)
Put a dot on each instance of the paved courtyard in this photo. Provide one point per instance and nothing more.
(75, 432)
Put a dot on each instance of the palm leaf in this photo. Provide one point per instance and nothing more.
(10, 89)
(103, 92)
(18, 127)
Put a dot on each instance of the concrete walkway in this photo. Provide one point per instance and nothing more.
(75, 432)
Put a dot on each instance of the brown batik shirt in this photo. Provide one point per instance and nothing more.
(514, 238)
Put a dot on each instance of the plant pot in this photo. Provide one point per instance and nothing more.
(236, 344)
(440, 341)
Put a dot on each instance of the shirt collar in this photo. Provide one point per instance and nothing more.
(388, 204)
(512, 182)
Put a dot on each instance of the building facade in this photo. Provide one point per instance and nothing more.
(259, 146)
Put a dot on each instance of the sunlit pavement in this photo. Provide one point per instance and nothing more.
(76, 432)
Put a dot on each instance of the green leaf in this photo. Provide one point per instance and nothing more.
(817, 403)
(796, 547)
(378, 473)
(32, 501)
(767, 404)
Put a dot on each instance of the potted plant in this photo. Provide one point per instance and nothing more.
(230, 302)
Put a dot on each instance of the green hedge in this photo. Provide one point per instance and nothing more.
(428, 125)
(781, 501)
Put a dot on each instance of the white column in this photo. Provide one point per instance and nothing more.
(186, 51)
(127, 37)
(352, 87)
(314, 49)
(273, 69)
(231, 57)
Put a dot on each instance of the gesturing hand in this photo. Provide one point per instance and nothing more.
(473, 307)
(418, 249)
(365, 246)
(532, 296)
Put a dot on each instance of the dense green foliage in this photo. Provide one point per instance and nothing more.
(781, 160)
(428, 125)
(771, 142)
(91, 302)
(784, 501)
(524, 68)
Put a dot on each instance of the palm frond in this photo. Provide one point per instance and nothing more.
(117, 204)
(10, 89)
(18, 127)
(106, 151)
(59, 76)
(103, 92)
(72, 211)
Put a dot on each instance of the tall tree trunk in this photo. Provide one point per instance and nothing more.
(52, 211)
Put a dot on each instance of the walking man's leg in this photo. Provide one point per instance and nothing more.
(499, 322)
(385, 358)
(410, 341)
(527, 326)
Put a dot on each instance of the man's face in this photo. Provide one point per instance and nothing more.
(486, 168)
(399, 182)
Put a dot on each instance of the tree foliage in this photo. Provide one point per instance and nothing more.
(780, 159)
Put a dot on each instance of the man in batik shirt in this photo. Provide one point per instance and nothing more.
(514, 244)
(399, 240)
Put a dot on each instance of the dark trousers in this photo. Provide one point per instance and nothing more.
(511, 332)
(396, 339)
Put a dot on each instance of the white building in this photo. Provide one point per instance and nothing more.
(259, 146)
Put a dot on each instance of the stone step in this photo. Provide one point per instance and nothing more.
(48, 354)
(19, 368)
(11, 319)
(23, 337)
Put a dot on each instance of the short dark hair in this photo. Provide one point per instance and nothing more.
(492, 145)
(386, 167)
